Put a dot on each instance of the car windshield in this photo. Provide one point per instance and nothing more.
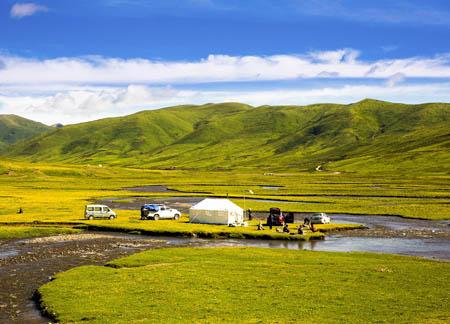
(153, 208)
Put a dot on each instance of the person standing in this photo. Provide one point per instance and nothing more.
(270, 221)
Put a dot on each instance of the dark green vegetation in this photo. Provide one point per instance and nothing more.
(252, 285)
(14, 128)
(367, 136)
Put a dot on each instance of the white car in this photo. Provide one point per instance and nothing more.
(320, 218)
(158, 211)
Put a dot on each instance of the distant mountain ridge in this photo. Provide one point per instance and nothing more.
(369, 135)
(14, 128)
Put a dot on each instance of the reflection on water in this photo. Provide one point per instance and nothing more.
(438, 248)
(395, 223)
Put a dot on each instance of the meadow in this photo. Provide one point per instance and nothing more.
(252, 285)
(53, 193)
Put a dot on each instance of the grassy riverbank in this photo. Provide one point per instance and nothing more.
(182, 227)
(10, 232)
(175, 228)
(252, 285)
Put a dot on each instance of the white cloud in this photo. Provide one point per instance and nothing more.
(215, 68)
(82, 104)
(20, 10)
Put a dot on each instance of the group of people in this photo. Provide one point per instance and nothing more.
(285, 229)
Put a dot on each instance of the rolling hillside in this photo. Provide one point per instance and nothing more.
(367, 136)
(14, 128)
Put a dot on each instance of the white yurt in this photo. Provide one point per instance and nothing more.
(216, 211)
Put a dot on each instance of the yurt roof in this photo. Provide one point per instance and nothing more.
(216, 204)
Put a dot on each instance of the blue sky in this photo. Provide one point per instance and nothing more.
(70, 61)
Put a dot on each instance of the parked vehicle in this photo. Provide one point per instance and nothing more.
(99, 211)
(159, 211)
(320, 218)
(276, 215)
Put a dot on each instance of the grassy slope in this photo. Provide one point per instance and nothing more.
(14, 128)
(119, 139)
(366, 136)
(253, 285)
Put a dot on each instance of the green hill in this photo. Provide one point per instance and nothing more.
(14, 128)
(368, 136)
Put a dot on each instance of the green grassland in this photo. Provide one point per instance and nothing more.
(252, 285)
(366, 137)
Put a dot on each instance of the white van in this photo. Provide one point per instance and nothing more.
(98, 211)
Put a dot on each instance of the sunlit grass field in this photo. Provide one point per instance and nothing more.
(58, 193)
(252, 285)
(54, 192)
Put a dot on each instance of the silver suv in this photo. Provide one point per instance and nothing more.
(159, 211)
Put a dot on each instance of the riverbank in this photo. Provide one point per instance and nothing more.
(11, 231)
(26, 264)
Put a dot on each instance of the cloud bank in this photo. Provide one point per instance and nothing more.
(82, 104)
(77, 89)
(344, 63)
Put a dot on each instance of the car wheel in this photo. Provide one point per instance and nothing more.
(91, 217)
(111, 217)
(176, 217)
(156, 217)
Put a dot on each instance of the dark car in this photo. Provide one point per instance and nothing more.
(276, 216)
